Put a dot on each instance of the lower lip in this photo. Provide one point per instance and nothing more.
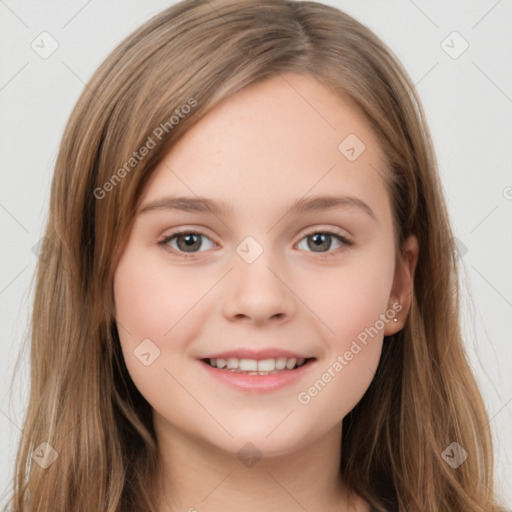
(259, 383)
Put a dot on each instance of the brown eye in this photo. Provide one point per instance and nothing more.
(189, 242)
(323, 241)
(319, 242)
(186, 242)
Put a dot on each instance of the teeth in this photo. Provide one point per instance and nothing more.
(232, 363)
(248, 365)
(252, 366)
(281, 363)
(266, 365)
(290, 364)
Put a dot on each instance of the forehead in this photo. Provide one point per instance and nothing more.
(282, 138)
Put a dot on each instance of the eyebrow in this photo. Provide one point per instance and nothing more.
(300, 206)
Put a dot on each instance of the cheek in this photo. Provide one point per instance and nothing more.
(352, 304)
(139, 305)
(148, 301)
(155, 316)
(351, 298)
(340, 305)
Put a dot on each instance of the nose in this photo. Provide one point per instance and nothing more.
(257, 293)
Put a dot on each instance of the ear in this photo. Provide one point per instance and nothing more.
(403, 282)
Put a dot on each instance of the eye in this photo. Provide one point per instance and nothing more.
(188, 243)
(322, 242)
(185, 242)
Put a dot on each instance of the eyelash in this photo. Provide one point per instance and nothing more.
(345, 241)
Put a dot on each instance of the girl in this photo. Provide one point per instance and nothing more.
(249, 292)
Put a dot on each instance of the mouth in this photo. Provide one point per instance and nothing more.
(269, 366)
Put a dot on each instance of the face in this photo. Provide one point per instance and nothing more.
(264, 270)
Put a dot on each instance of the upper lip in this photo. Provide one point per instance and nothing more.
(247, 353)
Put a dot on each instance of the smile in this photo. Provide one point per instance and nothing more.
(258, 375)
(256, 367)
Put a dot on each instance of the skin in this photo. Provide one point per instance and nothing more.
(258, 151)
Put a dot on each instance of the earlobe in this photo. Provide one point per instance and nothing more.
(403, 285)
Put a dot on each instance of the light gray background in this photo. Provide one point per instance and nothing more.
(468, 102)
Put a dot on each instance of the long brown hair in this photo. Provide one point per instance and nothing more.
(82, 400)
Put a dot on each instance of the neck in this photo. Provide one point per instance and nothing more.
(197, 476)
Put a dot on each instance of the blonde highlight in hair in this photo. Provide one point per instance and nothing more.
(82, 399)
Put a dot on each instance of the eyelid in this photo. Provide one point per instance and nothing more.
(342, 233)
(345, 240)
(164, 241)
